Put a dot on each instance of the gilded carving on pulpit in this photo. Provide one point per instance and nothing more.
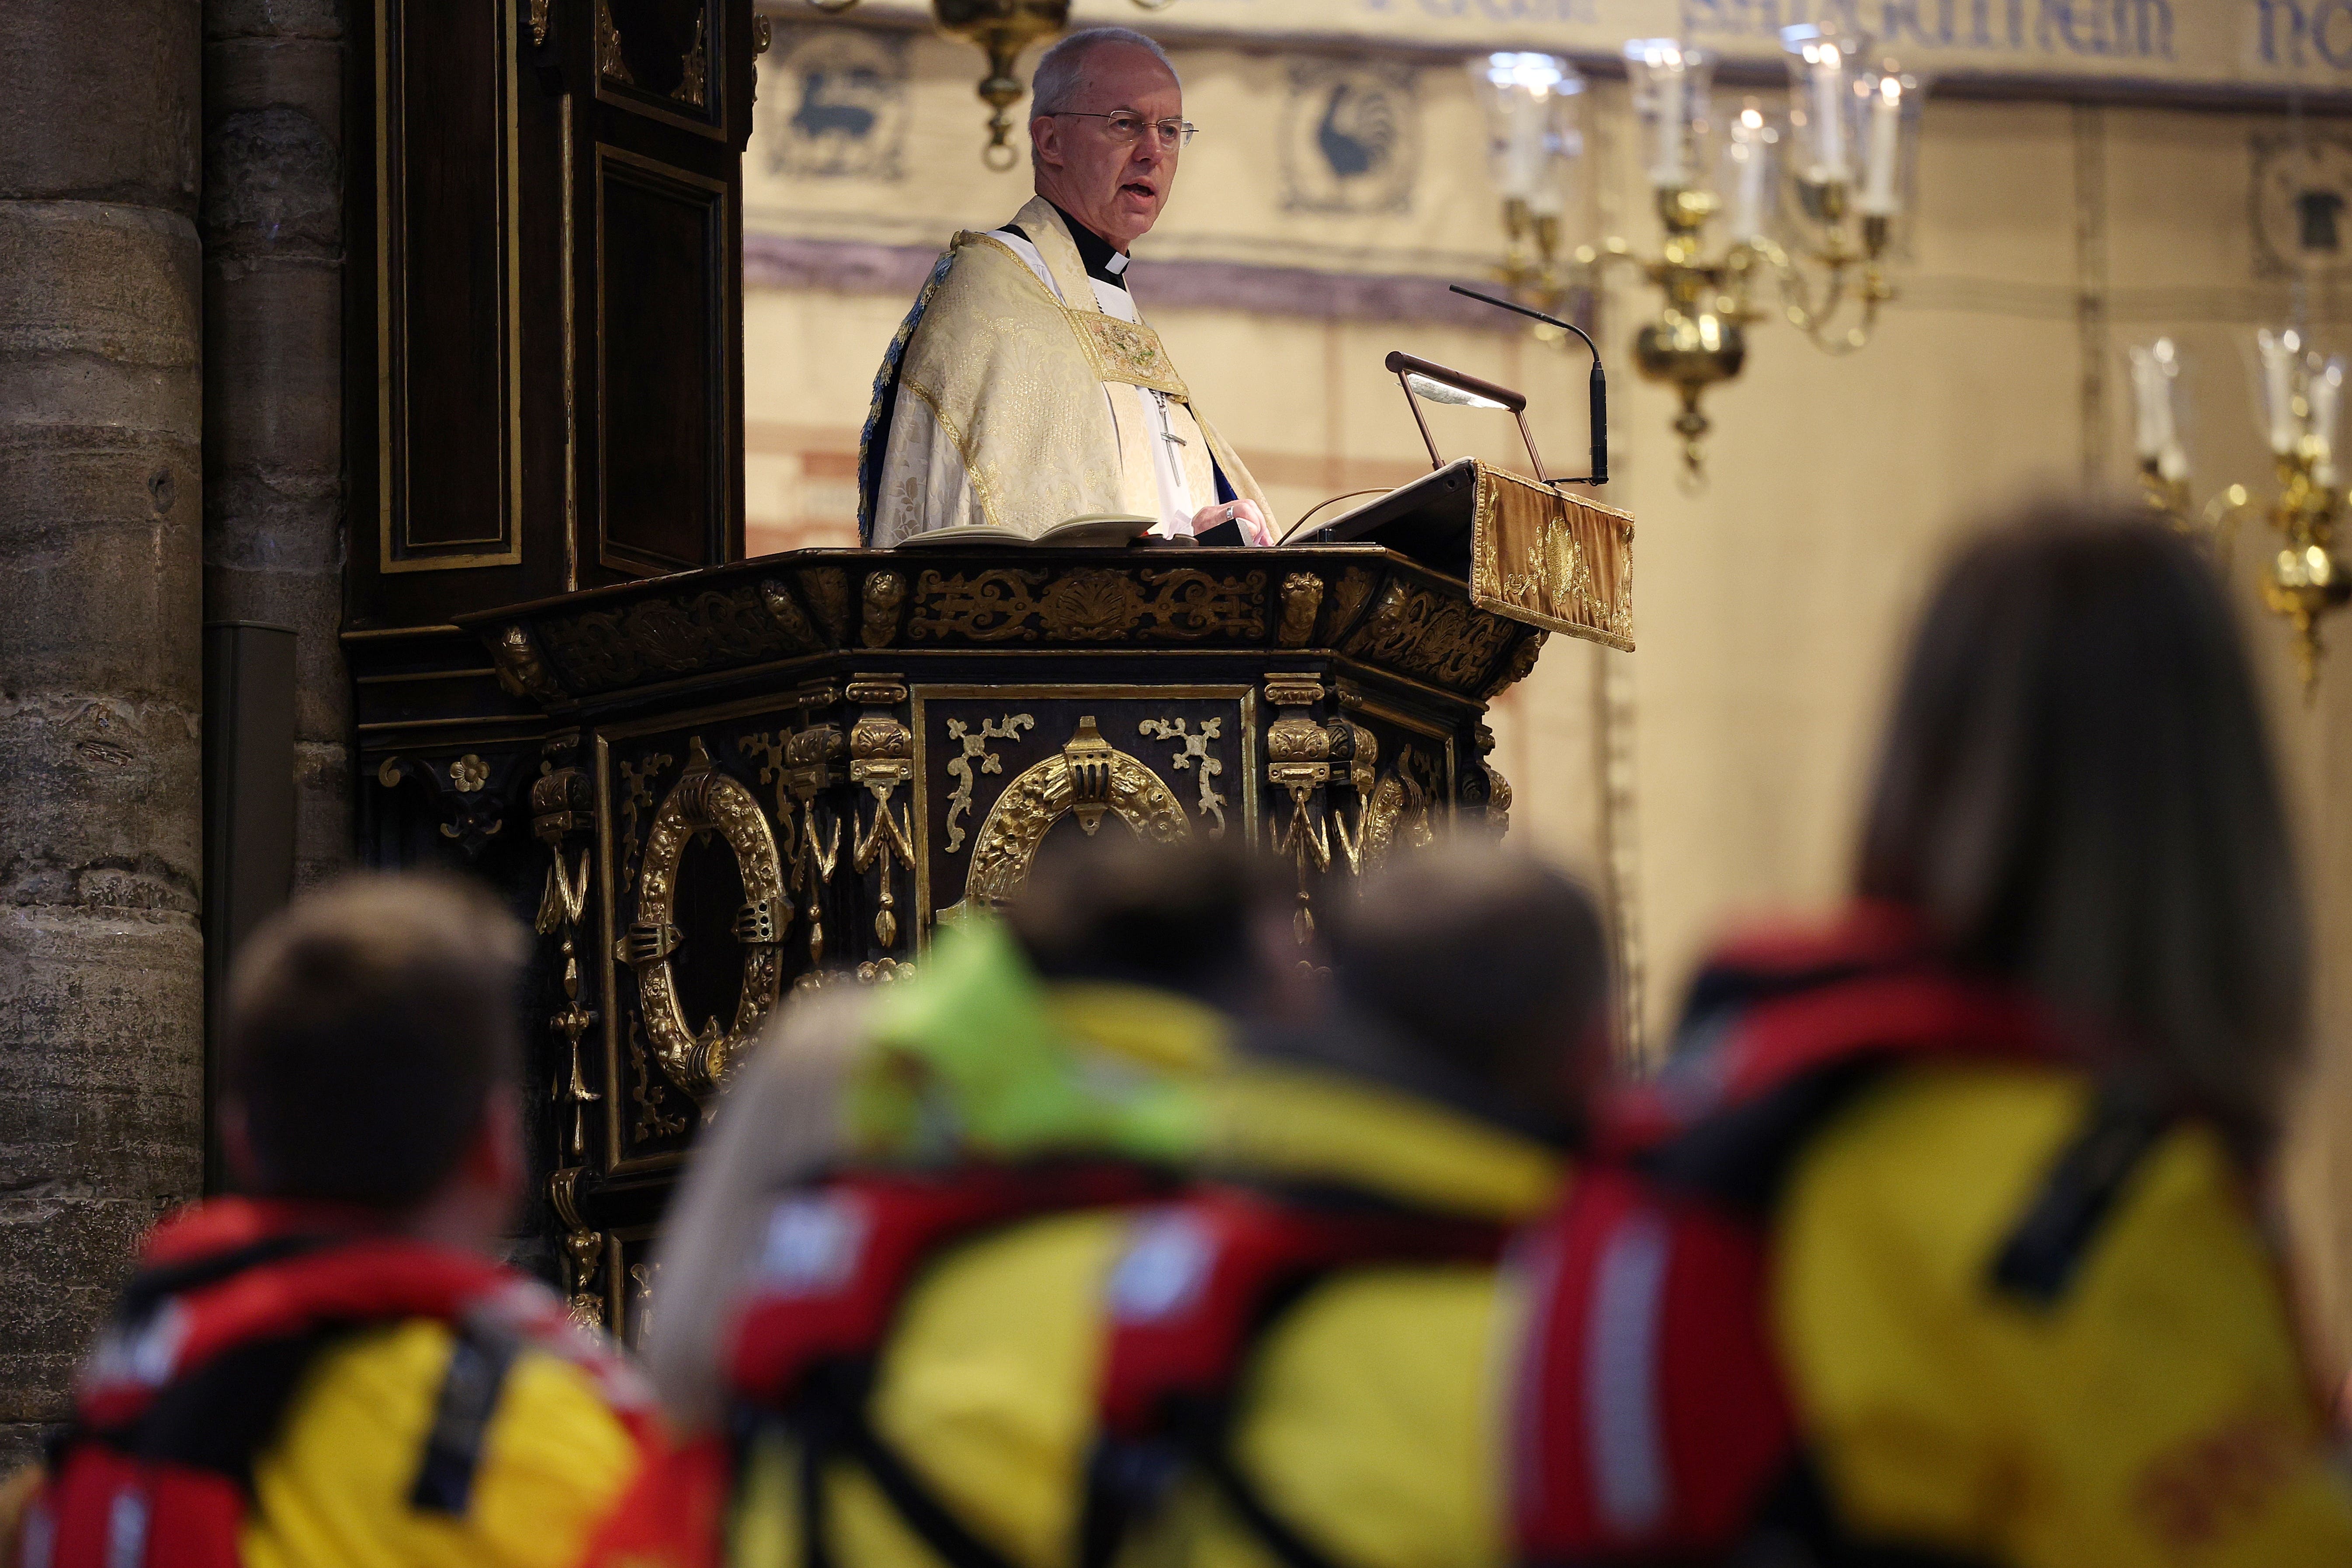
(1087, 776)
(705, 800)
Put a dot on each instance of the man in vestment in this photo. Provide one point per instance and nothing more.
(1024, 388)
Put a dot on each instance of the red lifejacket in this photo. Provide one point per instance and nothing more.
(837, 1259)
(834, 1264)
(1201, 1282)
(1652, 1421)
(187, 1382)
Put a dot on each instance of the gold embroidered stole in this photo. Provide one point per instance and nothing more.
(1127, 354)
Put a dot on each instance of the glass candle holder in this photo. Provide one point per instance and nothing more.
(1826, 111)
(1535, 133)
(1672, 82)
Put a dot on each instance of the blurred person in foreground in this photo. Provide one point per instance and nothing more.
(1320, 1205)
(1941, 1240)
(335, 1370)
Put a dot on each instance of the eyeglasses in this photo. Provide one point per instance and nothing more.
(1127, 129)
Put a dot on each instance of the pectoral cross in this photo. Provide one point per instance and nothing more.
(1166, 434)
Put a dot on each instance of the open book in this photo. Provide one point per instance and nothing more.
(1109, 530)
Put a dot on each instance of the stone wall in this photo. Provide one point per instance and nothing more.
(101, 1015)
(273, 506)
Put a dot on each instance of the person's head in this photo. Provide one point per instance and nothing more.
(1201, 917)
(371, 1057)
(1494, 963)
(2076, 790)
(1101, 105)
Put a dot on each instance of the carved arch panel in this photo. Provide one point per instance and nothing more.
(706, 801)
(1089, 777)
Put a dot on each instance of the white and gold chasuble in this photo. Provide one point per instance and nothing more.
(1028, 395)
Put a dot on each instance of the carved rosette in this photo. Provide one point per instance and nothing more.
(470, 792)
(705, 800)
(1089, 776)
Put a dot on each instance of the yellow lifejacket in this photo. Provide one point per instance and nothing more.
(1364, 1414)
(2157, 1413)
(333, 1490)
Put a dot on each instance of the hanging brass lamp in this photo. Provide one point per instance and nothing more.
(1001, 28)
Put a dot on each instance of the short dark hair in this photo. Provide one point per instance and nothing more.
(2076, 788)
(1494, 962)
(367, 1025)
(1181, 916)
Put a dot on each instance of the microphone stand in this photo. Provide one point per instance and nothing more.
(1599, 385)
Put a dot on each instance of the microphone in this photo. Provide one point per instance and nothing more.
(1599, 385)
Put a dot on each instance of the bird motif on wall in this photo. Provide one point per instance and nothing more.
(1358, 131)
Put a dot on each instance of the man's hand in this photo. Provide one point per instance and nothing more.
(1253, 525)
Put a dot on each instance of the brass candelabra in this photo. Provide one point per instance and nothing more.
(1850, 128)
(2305, 580)
(1698, 337)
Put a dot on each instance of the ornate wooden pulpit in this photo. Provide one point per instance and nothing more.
(712, 788)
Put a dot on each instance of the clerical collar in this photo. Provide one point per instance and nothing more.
(1102, 259)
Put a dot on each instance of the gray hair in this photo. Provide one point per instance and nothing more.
(1061, 71)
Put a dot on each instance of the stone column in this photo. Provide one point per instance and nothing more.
(102, 965)
(273, 215)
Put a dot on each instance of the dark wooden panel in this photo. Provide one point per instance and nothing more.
(446, 435)
(490, 423)
(656, 57)
(663, 391)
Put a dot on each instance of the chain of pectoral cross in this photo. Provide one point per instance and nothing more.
(1167, 431)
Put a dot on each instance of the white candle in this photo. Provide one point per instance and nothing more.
(1668, 172)
(1878, 195)
(1523, 156)
(2326, 394)
(2151, 397)
(2278, 388)
(1545, 198)
(1747, 204)
(1748, 189)
(1829, 115)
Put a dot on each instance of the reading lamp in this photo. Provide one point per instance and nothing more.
(1425, 378)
